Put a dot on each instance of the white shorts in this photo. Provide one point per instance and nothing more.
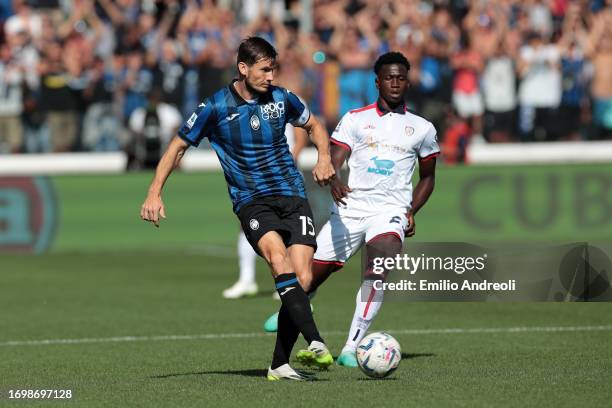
(341, 237)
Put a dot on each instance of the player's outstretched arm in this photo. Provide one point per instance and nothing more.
(323, 172)
(339, 189)
(422, 191)
(301, 138)
(153, 206)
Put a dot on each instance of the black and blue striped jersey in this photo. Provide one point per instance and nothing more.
(249, 139)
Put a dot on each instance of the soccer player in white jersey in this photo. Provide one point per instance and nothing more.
(383, 142)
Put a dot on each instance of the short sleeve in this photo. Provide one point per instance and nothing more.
(429, 148)
(297, 110)
(199, 125)
(343, 134)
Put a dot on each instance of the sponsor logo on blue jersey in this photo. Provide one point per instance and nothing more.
(272, 110)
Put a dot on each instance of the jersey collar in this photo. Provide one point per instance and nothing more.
(239, 99)
(401, 109)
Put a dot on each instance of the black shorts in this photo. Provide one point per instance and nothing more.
(291, 217)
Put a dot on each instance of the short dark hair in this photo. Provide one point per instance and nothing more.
(254, 49)
(389, 58)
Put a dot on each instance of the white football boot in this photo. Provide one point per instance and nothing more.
(286, 372)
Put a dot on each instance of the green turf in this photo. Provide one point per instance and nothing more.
(549, 203)
(145, 294)
(111, 275)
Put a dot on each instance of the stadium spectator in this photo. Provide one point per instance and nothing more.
(136, 81)
(58, 100)
(456, 138)
(208, 35)
(355, 45)
(427, 48)
(499, 91)
(575, 75)
(23, 50)
(539, 89)
(467, 99)
(6, 10)
(559, 53)
(25, 20)
(102, 128)
(540, 17)
(11, 101)
(169, 71)
(153, 126)
(599, 49)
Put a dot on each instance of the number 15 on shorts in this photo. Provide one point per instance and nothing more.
(307, 226)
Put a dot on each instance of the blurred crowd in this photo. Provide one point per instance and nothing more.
(104, 75)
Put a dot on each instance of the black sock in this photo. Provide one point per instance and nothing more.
(298, 306)
(286, 336)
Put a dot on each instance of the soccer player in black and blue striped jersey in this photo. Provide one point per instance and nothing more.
(245, 123)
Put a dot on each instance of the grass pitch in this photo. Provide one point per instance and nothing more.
(101, 296)
(135, 317)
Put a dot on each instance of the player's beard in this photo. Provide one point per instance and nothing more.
(252, 90)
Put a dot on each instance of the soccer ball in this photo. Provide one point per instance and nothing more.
(378, 355)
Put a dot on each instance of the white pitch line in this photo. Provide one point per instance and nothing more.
(525, 329)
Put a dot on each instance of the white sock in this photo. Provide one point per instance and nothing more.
(246, 260)
(367, 305)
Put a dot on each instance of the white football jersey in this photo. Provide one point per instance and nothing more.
(384, 149)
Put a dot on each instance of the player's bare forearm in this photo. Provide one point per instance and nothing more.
(422, 191)
(425, 186)
(301, 137)
(168, 162)
(323, 172)
(339, 189)
(338, 156)
(153, 207)
(318, 136)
